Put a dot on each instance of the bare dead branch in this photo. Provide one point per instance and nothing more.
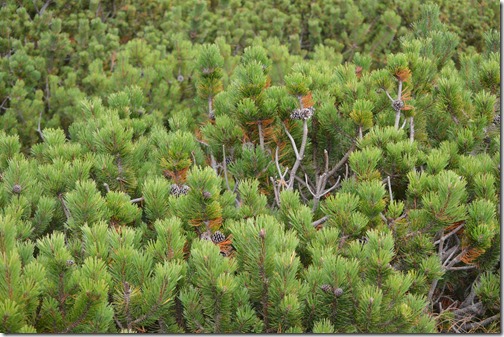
(137, 200)
(293, 143)
(342, 161)
(485, 322)
(261, 135)
(390, 189)
(443, 238)
(39, 130)
(320, 221)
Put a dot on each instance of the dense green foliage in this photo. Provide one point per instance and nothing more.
(234, 166)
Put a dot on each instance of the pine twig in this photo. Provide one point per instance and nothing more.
(485, 322)
(473, 309)
(137, 200)
(275, 190)
(277, 185)
(39, 130)
(213, 163)
(210, 106)
(443, 238)
(390, 189)
(449, 264)
(293, 143)
(201, 142)
(297, 163)
(342, 161)
(44, 7)
(398, 111)
(65, 208)
(388, 95)
(118, 322)
(403, 124)
(412, 129)
(320, 221)
(462, 268)
(78, 320)
(435, 281)
(261, 135)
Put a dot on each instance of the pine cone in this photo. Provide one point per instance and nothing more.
(338, 292)
(180, 78)
(497, 120)
(184, 189)
(175, 190)
(303, 114)
(211, 115)
(306, 113)
(326, 288)
(16, 189)
(207, 195)
(296, 114)
(228, 160)
(397, 104)
(218, 237)
(70, 263)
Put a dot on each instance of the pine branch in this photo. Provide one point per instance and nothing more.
(342, 161)
(210, 107)
(39, 130)
(398, 111)
(412, 129)
(443, 238)
(137, 200)
(474, 309)
(79, 319)
(118, 322)
(126, 295)
(275, 191)
(3, 103)
(61, 295)
(44, 7)
(213, 163)
(320, 221)
(455, 260)
(461, 268)
(435, 281)
(277, 185)
(261, 135)
(485, 322)
(155, 307)
(201, 142)
(300, 153)
(65, 208)
(293, 143)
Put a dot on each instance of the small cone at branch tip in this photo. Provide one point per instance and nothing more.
(16, 189)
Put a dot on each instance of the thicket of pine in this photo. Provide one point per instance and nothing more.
(263, 166)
